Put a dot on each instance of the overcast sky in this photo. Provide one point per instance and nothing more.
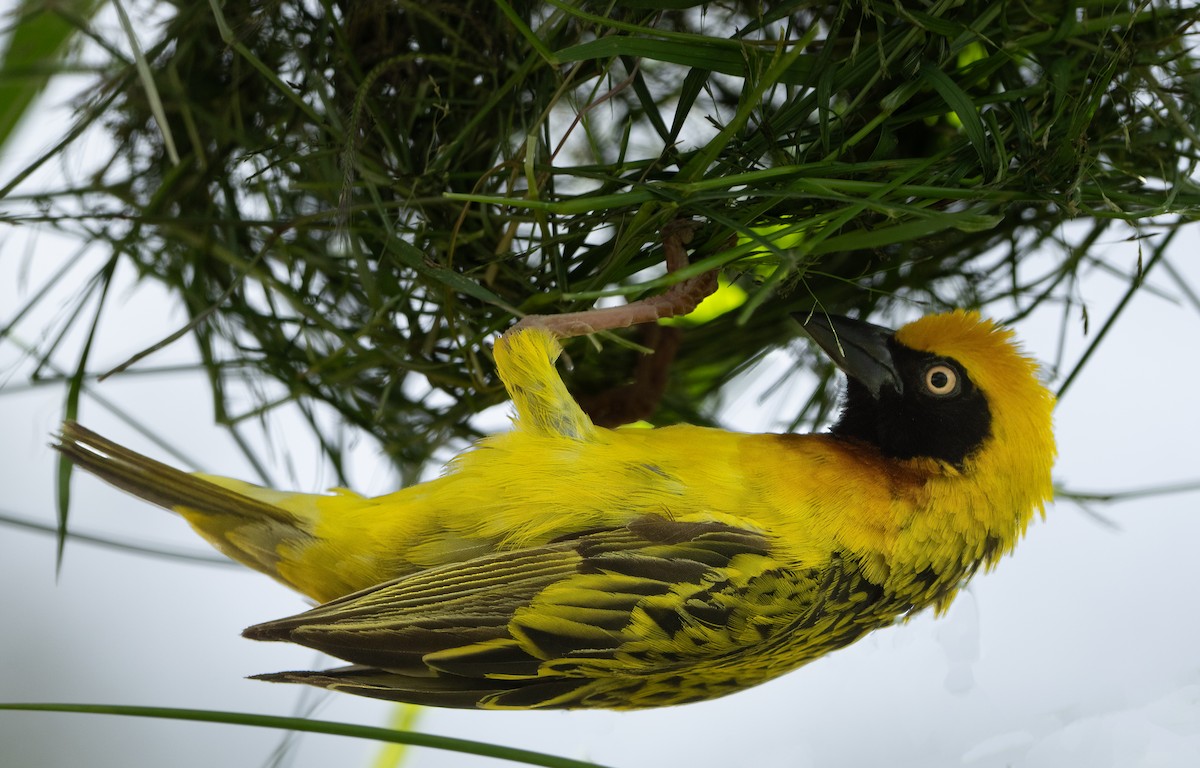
(1079, 650)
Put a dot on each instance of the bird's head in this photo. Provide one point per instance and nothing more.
(954, 388)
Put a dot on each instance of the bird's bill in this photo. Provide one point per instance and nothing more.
(859, 348)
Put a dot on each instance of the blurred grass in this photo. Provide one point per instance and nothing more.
(306, 725)
(366, 191)
(34, 50)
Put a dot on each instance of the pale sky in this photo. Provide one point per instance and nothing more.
(1079, 650)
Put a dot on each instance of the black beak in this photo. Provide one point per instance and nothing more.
(859, 348)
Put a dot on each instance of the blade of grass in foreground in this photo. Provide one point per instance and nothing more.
(34, 52)
(315, 726)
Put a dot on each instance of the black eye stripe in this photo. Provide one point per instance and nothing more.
(917, 420)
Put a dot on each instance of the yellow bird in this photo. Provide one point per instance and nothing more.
(562, 565)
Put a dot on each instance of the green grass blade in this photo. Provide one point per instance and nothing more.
(35, 47)
(328, 727)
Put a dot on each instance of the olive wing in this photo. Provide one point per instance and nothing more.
(537, 627)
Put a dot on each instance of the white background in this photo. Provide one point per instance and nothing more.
(1080, 650)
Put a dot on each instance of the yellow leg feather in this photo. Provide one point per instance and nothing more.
(525, 361)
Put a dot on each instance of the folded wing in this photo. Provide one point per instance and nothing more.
(608, 618)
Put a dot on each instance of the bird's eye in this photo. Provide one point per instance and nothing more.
(941, 380)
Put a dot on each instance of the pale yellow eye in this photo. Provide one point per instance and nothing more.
(941, 380)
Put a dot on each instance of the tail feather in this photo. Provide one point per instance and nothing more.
(442, 690)
(241, 526)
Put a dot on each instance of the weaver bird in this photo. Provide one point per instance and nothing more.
(562, 565)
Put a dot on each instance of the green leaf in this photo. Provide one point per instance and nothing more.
(908, 230)
(34, 52)
(702, 53)
(964, 108)
(464, 746)
(661, 5)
